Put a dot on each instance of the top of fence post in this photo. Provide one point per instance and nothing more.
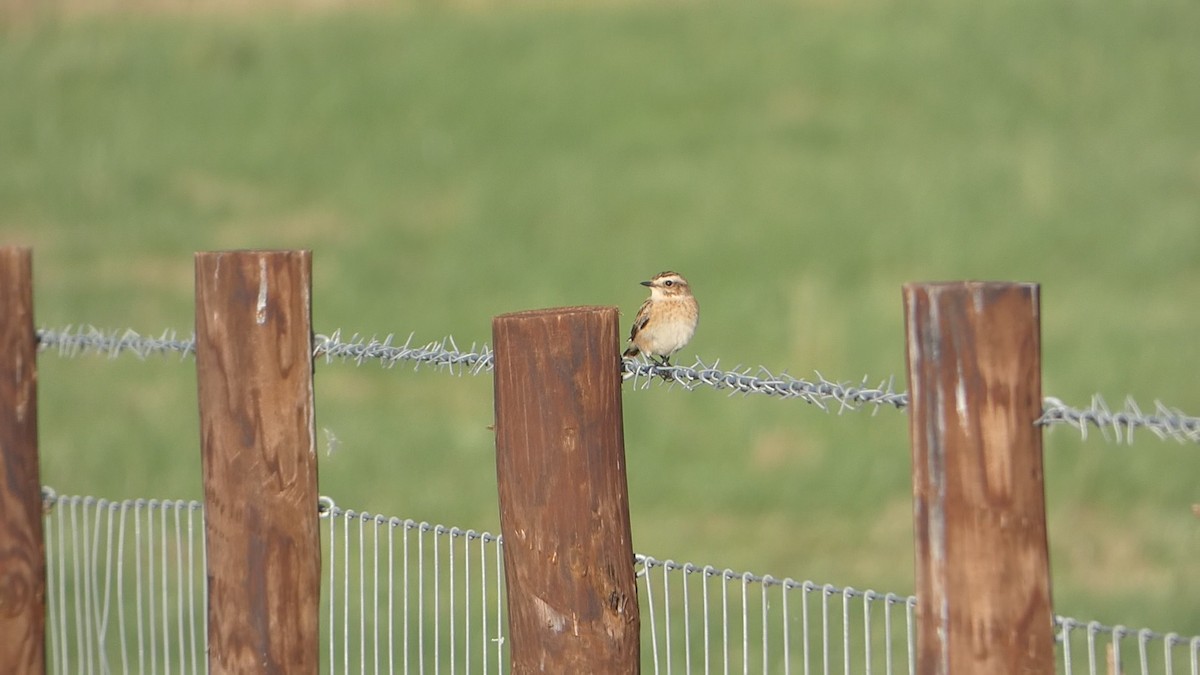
(982, 567)
(22, 547)
(564, 502)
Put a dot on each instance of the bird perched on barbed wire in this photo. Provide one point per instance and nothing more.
(666, 321)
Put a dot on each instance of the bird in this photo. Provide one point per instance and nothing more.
(666, 320)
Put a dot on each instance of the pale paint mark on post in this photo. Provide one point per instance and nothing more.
(260, 310)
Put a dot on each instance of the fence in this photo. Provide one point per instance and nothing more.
(126, 593)
(243, 593)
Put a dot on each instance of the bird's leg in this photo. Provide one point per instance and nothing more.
(665, 363)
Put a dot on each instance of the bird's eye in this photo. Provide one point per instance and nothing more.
(668, 283)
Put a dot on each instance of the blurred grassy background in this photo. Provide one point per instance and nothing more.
(798, 161)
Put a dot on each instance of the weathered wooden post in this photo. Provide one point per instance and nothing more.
(22, 547)
(254, 365)
(564, 503)
(982, 566)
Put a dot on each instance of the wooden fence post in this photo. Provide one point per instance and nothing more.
(22, 547)
(982, 566)
(564, 502)
(254, 368)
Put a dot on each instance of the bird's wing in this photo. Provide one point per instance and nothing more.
(639, 322)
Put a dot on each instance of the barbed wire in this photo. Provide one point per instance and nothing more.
(1164, 422)
(828, 395)
(825, 394)
(75, 341)
(442, 354)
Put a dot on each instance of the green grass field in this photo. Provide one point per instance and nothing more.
(797, 161)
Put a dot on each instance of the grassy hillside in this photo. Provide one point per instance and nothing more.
(798, 162)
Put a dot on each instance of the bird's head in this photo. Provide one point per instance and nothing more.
(668, 285)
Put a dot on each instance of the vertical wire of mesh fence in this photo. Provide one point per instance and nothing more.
(125, 586)
(407, 597)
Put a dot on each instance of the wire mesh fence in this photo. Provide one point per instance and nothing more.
(127, 591)
(125, 585)
(127, 594)
(1093, 647)
(408, 597)
(704, 619)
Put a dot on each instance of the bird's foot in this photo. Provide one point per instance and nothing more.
(664, 363)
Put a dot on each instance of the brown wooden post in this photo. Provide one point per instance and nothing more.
(982, 566)
(22, 547)
(564, 502)
(254, 373)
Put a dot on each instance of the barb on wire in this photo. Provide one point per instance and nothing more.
(823, 393)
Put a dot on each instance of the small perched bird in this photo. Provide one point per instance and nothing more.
(666, 321)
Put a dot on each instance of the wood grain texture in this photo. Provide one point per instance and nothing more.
(22, 547)
(982, 567)
(564, 504)
(254, 374)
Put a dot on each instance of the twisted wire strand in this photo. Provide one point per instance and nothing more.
(1165, 422)
(441, 354)
(73, 341)
(828, 395)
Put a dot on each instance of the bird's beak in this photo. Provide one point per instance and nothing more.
(647, 283)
